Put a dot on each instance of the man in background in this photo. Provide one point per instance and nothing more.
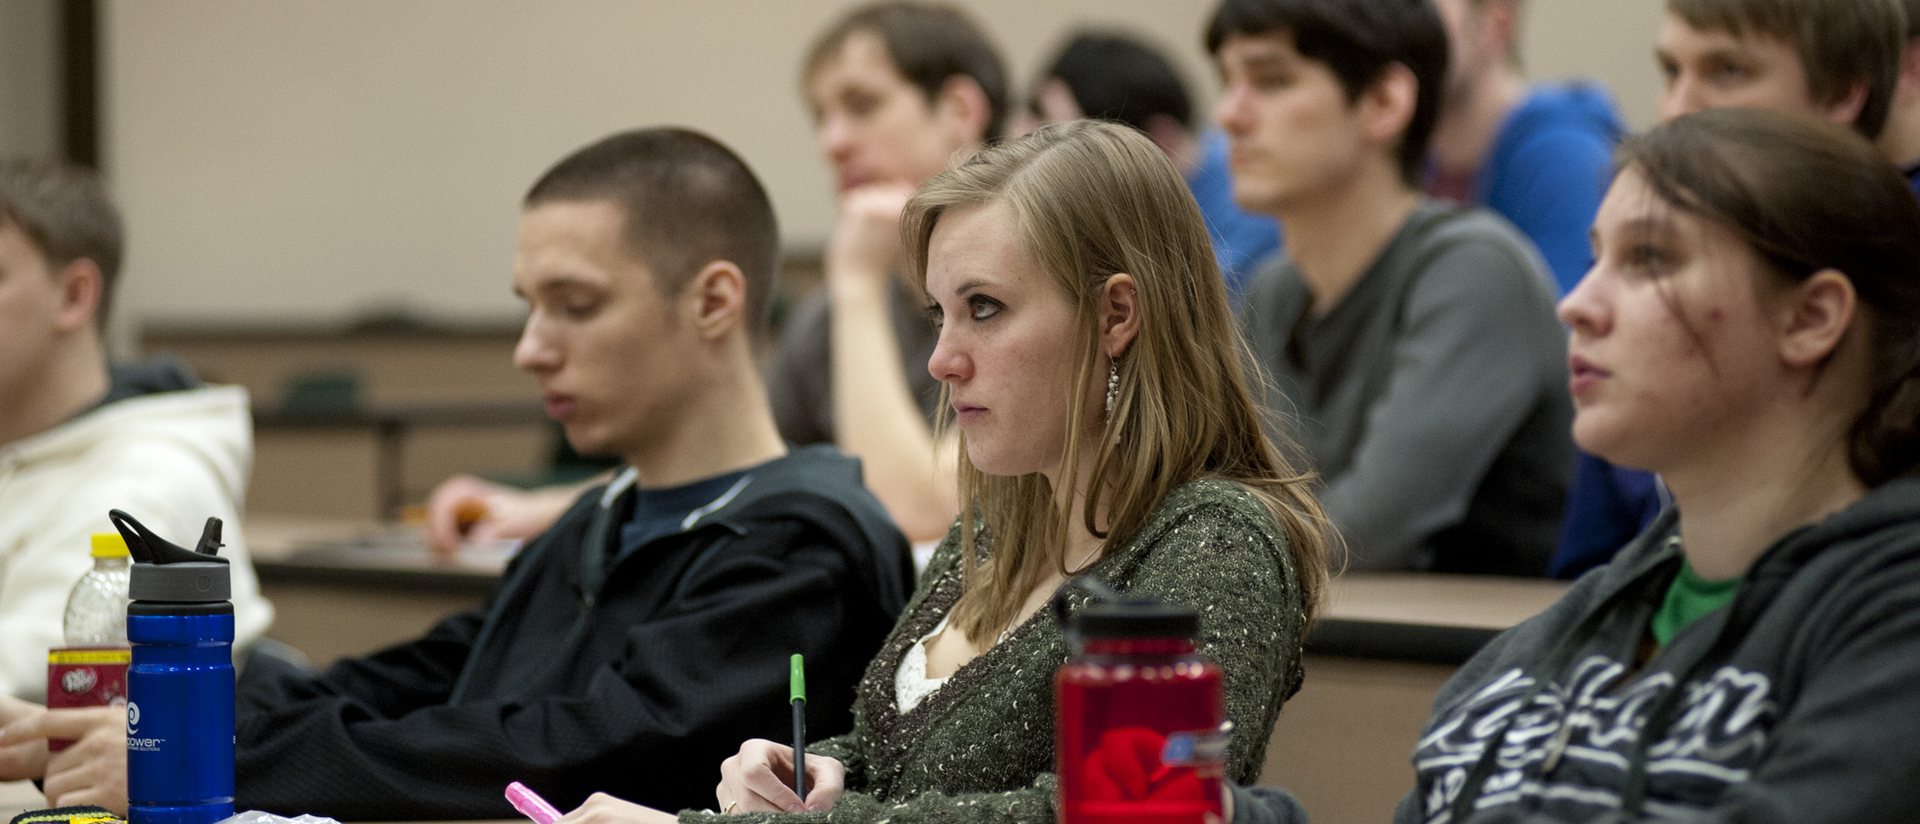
(1836, 61)
(1539, 154)
(898, 92)
(78, 437)
(1414, 346)
(638, 641)
(1115, 76)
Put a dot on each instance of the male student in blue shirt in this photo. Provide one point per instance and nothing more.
(1540, 154)
(631, 645)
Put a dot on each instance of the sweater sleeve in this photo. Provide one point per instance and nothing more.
(1468, 364)
(1247, 583)
(651, 724)
(847, 750)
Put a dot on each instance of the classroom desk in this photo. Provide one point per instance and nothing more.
(344, 587)
(17, 797)
(1381, 649)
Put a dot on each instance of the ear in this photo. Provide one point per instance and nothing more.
(1503, 26)
(1172, 136)
(1843, 110)
(1386, 106)
(81, 288)
(714, 301)
(1816, 315)
(1119, 314)
(962, 106)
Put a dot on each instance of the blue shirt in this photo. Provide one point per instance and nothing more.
(658, 512)
(1548, 168)
(1241, 239)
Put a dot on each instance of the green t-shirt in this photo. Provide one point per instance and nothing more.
(1689, 597)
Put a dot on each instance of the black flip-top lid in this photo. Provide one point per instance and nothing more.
(173, 574)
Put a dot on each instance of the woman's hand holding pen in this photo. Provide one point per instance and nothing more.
(760, 779)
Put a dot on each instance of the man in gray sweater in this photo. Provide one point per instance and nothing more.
(1410, 344)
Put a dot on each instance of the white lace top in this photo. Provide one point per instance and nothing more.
(910, 683)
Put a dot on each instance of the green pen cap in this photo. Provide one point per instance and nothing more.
(796, 679)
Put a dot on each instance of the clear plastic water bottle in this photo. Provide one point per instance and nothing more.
(97, 607)
(91, 670)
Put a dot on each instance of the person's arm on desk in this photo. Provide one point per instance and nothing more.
(466, 508)
(874, 414)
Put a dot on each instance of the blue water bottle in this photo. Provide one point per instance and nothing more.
(180, 685)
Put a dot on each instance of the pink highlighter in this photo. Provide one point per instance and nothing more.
(530, 804)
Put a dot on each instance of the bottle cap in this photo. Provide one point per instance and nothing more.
(1136, 619)
(169, 573)
(109, 545)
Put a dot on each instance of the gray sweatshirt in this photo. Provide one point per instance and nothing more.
(1432, 398)
(1799, 702)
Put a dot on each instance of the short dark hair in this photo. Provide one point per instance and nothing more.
(929, 45)
(65, 211)
(1358, 40)
(688, 201)
(1912, 10)
(1115, 76)
(1840, 43)
(1808, 196)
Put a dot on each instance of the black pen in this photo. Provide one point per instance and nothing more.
(797, 696)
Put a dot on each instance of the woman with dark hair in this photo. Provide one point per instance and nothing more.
(1751, 331)
(1107, 428)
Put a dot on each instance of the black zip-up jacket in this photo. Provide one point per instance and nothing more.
(636, 680)
(1799, 702)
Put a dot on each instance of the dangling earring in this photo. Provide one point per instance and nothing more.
(1113, 388)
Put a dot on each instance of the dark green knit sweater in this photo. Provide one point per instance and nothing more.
(980, 748)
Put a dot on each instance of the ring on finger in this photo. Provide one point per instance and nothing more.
(728, 810)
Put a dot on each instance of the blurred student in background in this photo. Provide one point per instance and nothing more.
(899, 92)
(1115, 76)
(1537, 153)
(633, 643)
(1413, 341)
(79, 437)
(1540, 154)
(1834, 61)
(1750, 331)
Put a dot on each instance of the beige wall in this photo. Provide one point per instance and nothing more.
(29, 79)
(315, 158)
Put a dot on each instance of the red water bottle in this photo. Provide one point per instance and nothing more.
(1140, 732)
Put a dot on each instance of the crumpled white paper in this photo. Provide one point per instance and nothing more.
(260, 817)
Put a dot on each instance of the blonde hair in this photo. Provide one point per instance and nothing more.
(1092, 200)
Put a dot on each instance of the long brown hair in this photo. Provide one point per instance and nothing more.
(1092, 200)
(1806, 196)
